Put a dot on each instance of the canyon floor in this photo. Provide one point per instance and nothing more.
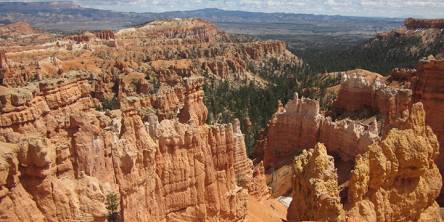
(269, 210)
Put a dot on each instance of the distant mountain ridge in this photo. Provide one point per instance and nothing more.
(71, 17)
(39, 5)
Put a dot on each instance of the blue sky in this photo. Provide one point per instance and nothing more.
(385, 8)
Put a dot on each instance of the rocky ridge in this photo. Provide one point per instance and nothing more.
(101, 113)
(115, 152)
(412, 23)
(395, 179)
(301, 123)
(366, 108)
(427, 88)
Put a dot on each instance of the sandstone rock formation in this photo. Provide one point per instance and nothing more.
(396, 179)
(243, 165)
(259, 188)
(412, 23)
(427, 88)
(79, 38)
(123, 113)
(194, 110)
(248, 176)
(4, 67)
(88, 150)
(105, 34)
(281, 181)
(301, 125)
(315, 187)
(361, 90)
(368, 105)
(362, 96)
(3, 60)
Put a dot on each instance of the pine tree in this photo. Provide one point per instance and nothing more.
(112, 205)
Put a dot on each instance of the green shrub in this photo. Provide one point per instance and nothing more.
(112, 205)
(110, 104)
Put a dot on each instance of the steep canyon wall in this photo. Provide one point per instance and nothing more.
(395, 179)
(123, 113)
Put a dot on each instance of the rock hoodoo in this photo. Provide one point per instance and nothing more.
(116, 153)
(301, 125)
(3, 60)
(315, 176)
(105, 34)
(383, 104)
(396, 179)
(427, 88)
(194, 110)
(123, 113)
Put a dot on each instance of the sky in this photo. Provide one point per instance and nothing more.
(373, 8)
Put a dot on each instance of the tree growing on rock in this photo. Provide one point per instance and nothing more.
(112, 205)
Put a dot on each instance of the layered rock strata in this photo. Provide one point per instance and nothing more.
(362, 90)
(427, 88)
(412, 23)
(162, 50)
(151, 167)
(315, 186)
(85, 118)
(194, 110)
(301, 125)
(243, 165)
(368, 107)
(396, 179)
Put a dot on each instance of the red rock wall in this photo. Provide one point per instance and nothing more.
(375, 192)
(3, 60)
(361, 90)
(261, 49)
(79, 38)
(194, 110)
(70, 157)
(105, 34)
(300, 125)
(428, 89)
(411, 23)
(72, 150)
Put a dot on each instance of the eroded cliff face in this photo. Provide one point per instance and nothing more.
(412, 23)
(362, 90)
(396, 179)
(301, 125)
(427, 88)
(315, 176)
(96, 115)
(165, 171)
(367, 106)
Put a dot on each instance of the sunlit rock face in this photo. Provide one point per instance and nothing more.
(315, 187)
(395, 179)
(385, 102)
(92, 114)
(361, 89)
(427, 88)
(300, 125)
